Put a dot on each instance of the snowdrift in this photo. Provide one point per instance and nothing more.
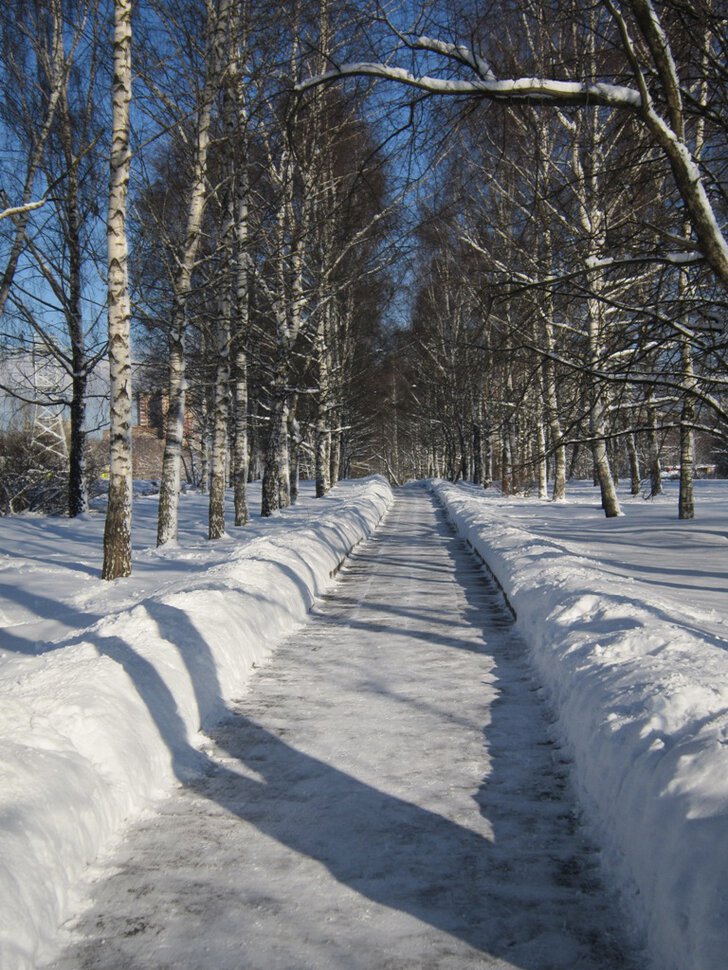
(96, 729)
(642, 704)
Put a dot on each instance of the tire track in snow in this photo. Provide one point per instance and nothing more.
(386, 795)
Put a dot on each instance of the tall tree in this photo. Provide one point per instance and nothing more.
(197, 193)
(117, 532)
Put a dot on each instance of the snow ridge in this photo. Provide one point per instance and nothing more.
(97, 729)
(642, 703)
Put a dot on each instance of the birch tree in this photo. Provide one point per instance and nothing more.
(225, 317)
(243, 269)
(185, 260)
(287, 298)
(117, 532)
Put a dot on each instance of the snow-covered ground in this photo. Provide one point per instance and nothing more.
(106, 686)
(387, 795)
(628, 622)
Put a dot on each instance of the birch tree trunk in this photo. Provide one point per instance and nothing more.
(653, 448)
(593, 219)
(117, 532)
(634, 465)
(342, 360)
(323, 430)
(335, 456)
(240, 448)
(230, 285)
(172, 461)
(292, 233)
(488, 458)
(597, 419)
(294, 451)
(276, 482)
(242, 325)
(478, 443)
(218, 458)
(541, 459)
(686, 502)
(551, 403)
(686, 499)
(597, 405)
(506, 459)
(324, 213)
(77, 489)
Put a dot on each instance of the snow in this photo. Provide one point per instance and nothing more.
(615, 95)
(626, 620)
(386, 794)
(107, 686)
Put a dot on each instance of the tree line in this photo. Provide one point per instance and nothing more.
(246, 235)
(564, 278)
(573, 265)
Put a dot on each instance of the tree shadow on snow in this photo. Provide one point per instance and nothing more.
(383, 848)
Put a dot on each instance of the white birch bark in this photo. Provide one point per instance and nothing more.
(219, 451)
(77, 489)
(597, 412)
(288, 308)
(541, 464)
(230, 281)
(688, 414)
(275, 492)
(325, 331)
(506, 459)
(186, 260)
(294, 451)
(550, 385)
(242, 325)
(240, 446)
(478, 443)
(653, 448)
(117, 532)
(340, 331)
(588, 138)
(635, 476)
(686, 500)
(323, 401)
(488, 457)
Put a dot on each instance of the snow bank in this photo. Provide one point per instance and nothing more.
(93, 731)
(642, 702)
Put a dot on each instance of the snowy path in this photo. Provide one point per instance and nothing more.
(386, 795)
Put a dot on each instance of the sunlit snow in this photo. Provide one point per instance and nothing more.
(106, 686)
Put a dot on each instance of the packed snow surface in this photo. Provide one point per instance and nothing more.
(628, 623)
(387, 795)
(106, 686)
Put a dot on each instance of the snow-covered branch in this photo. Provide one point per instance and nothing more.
(666, 133)
(530, 89)
(19, 210)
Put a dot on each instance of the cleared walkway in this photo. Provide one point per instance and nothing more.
(386, 795)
